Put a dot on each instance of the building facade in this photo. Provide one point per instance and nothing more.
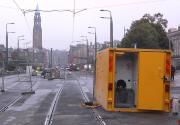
(78, 54)
(59, 58)
(37, 30)
(2, 54)
(174, 39)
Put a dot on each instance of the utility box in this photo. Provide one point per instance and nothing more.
(133, 79)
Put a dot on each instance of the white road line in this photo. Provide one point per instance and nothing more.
(85, 89)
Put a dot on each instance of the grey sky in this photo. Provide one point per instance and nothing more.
(57, 27)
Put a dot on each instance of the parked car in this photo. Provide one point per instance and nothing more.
(34, 73)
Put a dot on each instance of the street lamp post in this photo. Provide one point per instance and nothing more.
(94, 75)
(111, 27)
(87, 52)
(51, 57)
(18, 39)
(7, 42)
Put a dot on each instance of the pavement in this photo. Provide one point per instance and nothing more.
(176, 82)
(175, 86)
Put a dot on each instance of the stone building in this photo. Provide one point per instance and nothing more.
(78, 54)
(174, 38)
(2, 54)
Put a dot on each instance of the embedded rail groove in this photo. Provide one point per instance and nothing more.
(4, 108)
(49, 117)
(94, 111)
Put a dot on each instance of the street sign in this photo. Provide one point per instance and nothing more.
(28, 70)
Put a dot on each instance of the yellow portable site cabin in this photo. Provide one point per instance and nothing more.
(133, 80)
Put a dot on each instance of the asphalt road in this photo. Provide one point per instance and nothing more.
(34, 109)
(28, 109)
(69, 110)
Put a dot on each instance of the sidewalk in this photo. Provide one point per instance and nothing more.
(176, 82)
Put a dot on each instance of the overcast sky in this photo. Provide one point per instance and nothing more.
(57, 27)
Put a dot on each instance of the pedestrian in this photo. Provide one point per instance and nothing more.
(173, 70)
(121, 92)
(43, 74)
(121, 84)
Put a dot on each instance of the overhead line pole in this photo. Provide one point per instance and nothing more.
(94, 75)
(111, 27)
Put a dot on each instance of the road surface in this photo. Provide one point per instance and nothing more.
(59, 102)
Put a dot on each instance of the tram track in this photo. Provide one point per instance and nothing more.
(53, 112)
(4, 108)
(49, 117)
(94, 111)
(16, 99)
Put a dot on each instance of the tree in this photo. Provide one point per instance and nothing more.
(148, 32)
(104, 46)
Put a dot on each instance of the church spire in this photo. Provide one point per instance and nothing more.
(37, 30)
(37, 8)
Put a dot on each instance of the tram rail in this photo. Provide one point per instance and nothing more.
(16, 99)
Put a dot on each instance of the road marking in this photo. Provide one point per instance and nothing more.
(85, 89)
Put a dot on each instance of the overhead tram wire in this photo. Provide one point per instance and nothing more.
(24, 11)
(17, 6)
(24, 17)
(127, 4)
(96, 7)
(60, 10)
(8, 7)
(32, 10)
(74, 12)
